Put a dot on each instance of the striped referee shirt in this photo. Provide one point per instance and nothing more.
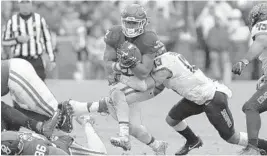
(36, 28)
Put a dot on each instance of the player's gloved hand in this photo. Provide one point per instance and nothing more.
(261, 82)
(113, 78)
(239, 66)
(127, 61)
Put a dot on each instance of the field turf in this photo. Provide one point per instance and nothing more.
(153, 117)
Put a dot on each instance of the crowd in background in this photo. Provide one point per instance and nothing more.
(210, 34)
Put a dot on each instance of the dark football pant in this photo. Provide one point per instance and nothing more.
(217, 112)
(258, 101)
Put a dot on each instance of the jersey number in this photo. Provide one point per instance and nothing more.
(192, 68)
(40, 150)
(157, 62)
(261, 26)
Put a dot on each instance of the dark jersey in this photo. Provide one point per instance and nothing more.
(147, 43)
(4, 77)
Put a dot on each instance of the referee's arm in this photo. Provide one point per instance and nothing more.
(47, 40)
(8, 39)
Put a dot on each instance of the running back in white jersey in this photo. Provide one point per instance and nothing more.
(258, 29)
(186, 80)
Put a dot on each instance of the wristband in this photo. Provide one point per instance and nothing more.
(116, 67)
(245, 61)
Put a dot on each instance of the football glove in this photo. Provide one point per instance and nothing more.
(128, 55)
(239, 66)
(261, 82)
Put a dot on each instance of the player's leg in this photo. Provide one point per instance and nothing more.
(183, 109)
(118, 95)
(141, 133)
(31, 93)
(94, 142)
(221, 118)
(252, 108)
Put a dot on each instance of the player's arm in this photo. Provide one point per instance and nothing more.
(257, 47)
(142, 69)
(156, 79)
(47, 40)
(8, 39)
(152, 44)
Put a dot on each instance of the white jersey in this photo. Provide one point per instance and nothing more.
(187, 81)
(258, 29)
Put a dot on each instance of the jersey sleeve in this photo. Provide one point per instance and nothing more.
(258, 29)
(112, 36)
(151, 43)
(162, 63)
(34, 145)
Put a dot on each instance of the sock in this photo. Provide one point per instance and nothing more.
(81, 108)
(262, 144)
(124, 128)
(93, 107)
(253, 126)
(243, 139)
(188, 134)
(153, 143)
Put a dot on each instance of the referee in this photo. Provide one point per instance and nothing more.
(28, 35)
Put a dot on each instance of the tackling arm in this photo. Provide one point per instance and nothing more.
(156, 79)
(142, 70)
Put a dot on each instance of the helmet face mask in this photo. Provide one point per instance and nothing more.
(132, 28)
(133, 20)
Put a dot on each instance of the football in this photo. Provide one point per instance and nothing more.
(129, 50)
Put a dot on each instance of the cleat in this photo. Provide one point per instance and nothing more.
(189, 146)
(48, 126)
(66, 123)
(161, 149)
(252, 150)
(122, 141)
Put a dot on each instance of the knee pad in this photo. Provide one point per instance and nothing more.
(171, 122)
(248, 106)
(240, 138)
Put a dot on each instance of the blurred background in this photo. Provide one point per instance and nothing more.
(210, 34)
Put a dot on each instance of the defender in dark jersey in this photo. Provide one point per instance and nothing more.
(257, 104)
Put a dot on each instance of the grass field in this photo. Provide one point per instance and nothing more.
(153, 114)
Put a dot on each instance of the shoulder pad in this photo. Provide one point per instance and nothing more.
(150, 38)
(112, 35)
(259, 28)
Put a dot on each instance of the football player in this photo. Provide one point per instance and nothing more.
(22, 143)
(200, 94)
(32, 95)
(257, 103)
(133, 30)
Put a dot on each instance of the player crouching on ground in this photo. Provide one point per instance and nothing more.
(21, 143)
(200, 93)
(257, 104)
(32, 95)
